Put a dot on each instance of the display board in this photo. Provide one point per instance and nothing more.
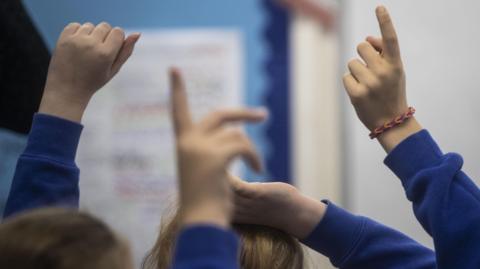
(232, 52)
(127, 146)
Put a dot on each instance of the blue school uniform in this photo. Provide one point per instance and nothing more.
(445, 201)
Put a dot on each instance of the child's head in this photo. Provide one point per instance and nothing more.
(61, 239)
(262, 248)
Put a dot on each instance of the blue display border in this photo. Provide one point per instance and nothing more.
(277, 94)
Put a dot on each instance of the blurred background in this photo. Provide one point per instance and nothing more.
(288, 56)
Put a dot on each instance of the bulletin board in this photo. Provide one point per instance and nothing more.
(264, 25)
(255, 30)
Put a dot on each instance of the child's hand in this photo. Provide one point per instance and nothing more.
(277, 205)
(85, 59)
(377, 87)
(204, 151)
(377, 90)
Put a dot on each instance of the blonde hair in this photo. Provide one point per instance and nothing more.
(60, 239)
(261, 247)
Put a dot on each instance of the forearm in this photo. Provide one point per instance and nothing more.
(307, 214)
(351, 241)
(446, 202)
(46, 174)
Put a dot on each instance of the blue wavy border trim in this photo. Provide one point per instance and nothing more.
(277, 95)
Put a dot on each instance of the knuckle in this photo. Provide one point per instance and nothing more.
(362, 46)
(365, 94)
(72, 24)
(359, 93)
(383, 74)
(397, 70)
(391, 39)
(119, 31)
(374, 84)
(105, 24)
(351, 62)
(74, 43)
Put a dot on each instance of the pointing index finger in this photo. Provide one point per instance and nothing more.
(179, 102)
(390, 39)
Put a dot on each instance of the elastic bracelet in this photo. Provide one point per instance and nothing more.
(393, 123)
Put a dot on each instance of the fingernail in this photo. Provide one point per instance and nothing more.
(174, 70)
(381, 9)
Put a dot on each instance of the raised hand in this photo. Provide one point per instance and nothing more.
(85, 59)
(377, 85)
(277, 205)
(204, 152)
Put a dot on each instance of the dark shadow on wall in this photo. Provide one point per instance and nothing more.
(24, 60)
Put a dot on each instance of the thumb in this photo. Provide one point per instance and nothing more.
(125, 52)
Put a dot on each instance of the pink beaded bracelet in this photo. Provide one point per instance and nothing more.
(393, 123)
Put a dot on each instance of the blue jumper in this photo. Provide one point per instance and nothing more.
(445, 201)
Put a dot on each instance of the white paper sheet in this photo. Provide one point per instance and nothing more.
(126, 154)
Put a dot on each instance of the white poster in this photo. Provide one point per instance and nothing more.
(126, 153)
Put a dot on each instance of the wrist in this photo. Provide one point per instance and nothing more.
(308, 214)
(390, 139)
(205, 214)
(60, 104)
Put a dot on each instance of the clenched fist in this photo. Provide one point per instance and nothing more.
(86, 57)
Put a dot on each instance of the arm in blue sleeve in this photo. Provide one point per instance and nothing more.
(351, 241)
(206, 247)
(46, 173)
(445, 201)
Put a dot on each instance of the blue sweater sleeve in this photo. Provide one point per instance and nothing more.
(351, 241)
(206, 247)
(46, 173)
(445, 201)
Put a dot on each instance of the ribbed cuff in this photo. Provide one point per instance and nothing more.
(205, 242)
(415, 153)
(336, 234)
(54, 138)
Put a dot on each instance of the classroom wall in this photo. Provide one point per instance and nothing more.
(439, 42)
